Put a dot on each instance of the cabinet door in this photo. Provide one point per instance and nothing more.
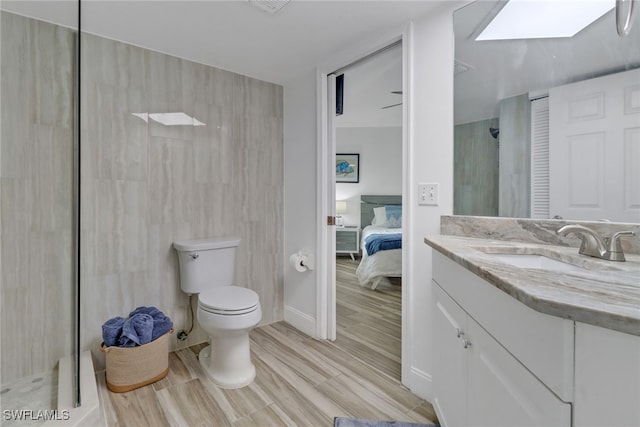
(607, 377)
(449, 363)
(502, 392)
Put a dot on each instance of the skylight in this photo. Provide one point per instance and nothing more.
(534, 19)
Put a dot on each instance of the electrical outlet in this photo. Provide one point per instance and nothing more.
(428, 194)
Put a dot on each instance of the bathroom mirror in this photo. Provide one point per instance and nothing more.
(495, 83)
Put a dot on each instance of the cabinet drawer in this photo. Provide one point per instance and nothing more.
(347, 240)
(539, 341)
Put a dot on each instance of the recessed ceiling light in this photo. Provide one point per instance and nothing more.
(532, 19)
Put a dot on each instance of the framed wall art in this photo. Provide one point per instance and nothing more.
(348, 168)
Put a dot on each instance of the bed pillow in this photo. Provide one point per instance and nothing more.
(394, 216)
(387, 216)
(379, 217)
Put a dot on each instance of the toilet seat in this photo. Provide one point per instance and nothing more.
(228, 300)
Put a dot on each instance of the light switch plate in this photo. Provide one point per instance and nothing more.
(428, 194)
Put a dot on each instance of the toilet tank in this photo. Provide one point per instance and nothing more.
(206, 263)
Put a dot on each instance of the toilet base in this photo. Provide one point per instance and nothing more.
(226, 370)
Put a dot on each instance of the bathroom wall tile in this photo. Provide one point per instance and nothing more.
(36, 195)
(15, 229)
(15, 43)
(515, 145)
(15, 304)
(52, 177)
(164, 83)
(51, 67)
(144, 185)
(219, 87)
(15, 110)
(476, 188)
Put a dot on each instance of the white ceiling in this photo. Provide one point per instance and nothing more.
(234, 35)
(367, 88)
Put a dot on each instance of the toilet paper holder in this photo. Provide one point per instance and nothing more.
(302, 261)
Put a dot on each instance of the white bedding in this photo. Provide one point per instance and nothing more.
(381, 264)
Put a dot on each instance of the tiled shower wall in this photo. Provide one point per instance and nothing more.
(36, 176)
(144, 185)
(475, 168)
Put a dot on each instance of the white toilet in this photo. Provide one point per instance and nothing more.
(225, 312)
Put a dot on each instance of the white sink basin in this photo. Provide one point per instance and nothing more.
(535, 261)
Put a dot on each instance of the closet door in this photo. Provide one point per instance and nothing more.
(540, 158)
(594, 148)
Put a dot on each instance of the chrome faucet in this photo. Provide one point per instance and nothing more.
(595, 246)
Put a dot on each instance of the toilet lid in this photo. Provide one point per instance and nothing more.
(228, 300)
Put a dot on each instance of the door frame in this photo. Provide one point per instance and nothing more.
(326, 270)
(326, 265)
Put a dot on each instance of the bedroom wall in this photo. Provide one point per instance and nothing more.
(380, 150)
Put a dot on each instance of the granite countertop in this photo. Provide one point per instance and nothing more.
(601, 293)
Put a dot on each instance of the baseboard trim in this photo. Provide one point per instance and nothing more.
(300, 320)
(420, 383)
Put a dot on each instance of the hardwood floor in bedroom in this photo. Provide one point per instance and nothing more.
(369, 322)
(300, 381)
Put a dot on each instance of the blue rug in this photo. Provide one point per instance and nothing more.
(354, 422)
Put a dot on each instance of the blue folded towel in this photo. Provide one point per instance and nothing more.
(145, 324)
(161, 323)
(137, 330)
(111, 331)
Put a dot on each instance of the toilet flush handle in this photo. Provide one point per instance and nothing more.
(194, 255)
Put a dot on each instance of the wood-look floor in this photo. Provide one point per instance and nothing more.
(300, 381)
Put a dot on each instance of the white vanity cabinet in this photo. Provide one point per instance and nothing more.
(450, 360)
(479, 377)
(607, 377)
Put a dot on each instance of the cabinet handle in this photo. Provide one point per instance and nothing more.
(459, 332)
(466, 343)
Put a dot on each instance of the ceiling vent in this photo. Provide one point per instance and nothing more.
(460, 67)
(271, 6)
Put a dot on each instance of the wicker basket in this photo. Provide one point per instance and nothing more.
(129, 368)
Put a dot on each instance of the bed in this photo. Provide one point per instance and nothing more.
(381, 242)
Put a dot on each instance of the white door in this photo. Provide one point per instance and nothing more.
(594, 148)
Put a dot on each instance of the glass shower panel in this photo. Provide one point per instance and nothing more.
(37, 196)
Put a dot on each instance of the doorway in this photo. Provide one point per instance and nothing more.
(371, 128)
